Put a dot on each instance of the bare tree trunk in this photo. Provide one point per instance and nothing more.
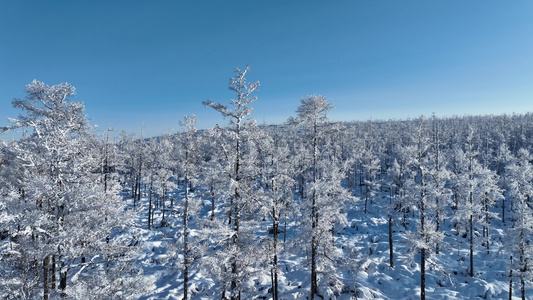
(422, 274)
(511, 278)
(236, 216)
(63, 279)
(234, 265)
(366, 198)
(522, 288)
(186, 241)
(314, 218)
(153, 213)
(46, 273)
(133, 188)
(314, 285)
(391, 249)
(275, 262)
(471, 246)
(423, 250)
(105, 177)
(272, 282)
(422, 229)
(471, 225)
(138, 184)
(503, 210)
(212, 191)
(163, 204)
(314, 246)
(437, 221)
(486, 227)
(150, 205)
(53, 273)
(523, 270)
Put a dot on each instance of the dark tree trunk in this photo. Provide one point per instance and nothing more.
(234, 265)
(235, 291)
(138, 183)
(133, 188)
(471, 246)
(391, 249)
(53, 273)
(46, 273)
(360, 180)
(212, 191)
(486, 228)
(275, 261)
(314, 248)
(503, 210)
(523, 288)
(163, 204)
(471, 229)
(105, 179)
(63, 280)
(437, 221)
(366, 199)
(272, 282)
(314, 285)
(511, 278)
(186, 241)
(404, 219)
(314, 218)
(423, 250)
(150, 206)
(422, 274)
(153, 213)
(523, 270)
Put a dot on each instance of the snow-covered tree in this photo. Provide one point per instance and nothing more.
(214, 158)
(158, 174)
(188, 162)
(504, 158)
(69, 212)
(19, 270)
(521, 234)
(418, 189)
(276, 182)
(370, 165)
(324, 197)
(476, 191)
(240, 172)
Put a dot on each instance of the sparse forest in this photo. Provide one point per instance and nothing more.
(432, 207)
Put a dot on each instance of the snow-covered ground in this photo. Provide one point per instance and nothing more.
(365, 270)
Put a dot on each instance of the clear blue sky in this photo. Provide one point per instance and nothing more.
(152, 62)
